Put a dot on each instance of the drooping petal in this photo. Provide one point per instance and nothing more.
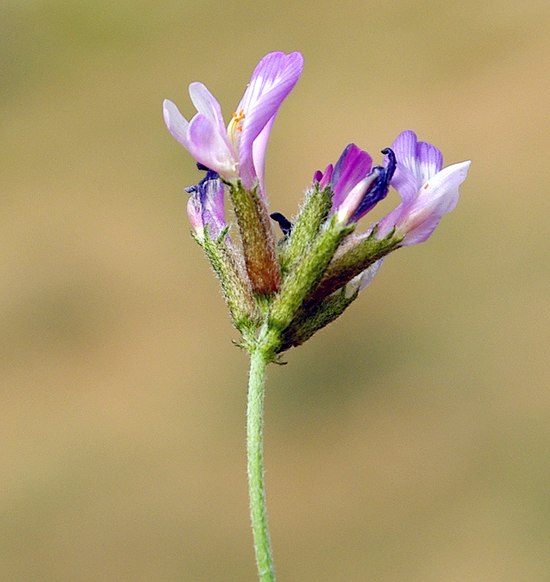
(176, 123)
(272, 80)
(436, 198)
(444, 185)
(208, 147)
(208, 105)
(417, 219)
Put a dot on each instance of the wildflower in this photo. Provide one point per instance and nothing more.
(237, 152)
(280, 294)
(427, 191)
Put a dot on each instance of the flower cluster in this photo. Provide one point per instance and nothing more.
(291, 288)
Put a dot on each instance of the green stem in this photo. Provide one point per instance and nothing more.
(254, 445)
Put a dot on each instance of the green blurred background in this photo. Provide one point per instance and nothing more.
(409, 441)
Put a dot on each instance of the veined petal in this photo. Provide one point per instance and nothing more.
(429, 161)
(404, 148)
(208, 147)
(175, 122)
(417, 163)
(404, 181)
(276, 70)
(272, 80)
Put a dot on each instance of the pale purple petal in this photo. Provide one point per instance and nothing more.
(417, 162)
(404, 148)
(404, 181)
(429, 161)
(208, 105)
(276, 70)
(176, 123)
(272, 80)
(210, 148)
(418, 219)
(391, 220)
(444, 185)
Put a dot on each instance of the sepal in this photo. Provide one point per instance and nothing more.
(257, 239)
(313, 213)
(309, 270)
(311, 319)
(356, 253)
(236, 287)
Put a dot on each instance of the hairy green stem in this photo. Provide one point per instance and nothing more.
(254, 445)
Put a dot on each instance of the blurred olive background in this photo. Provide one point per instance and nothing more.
(409, 441)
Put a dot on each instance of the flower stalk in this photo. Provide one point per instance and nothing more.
(255, 464)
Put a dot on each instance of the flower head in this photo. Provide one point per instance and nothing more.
(283, 292)
(237, 152)
(427, 191)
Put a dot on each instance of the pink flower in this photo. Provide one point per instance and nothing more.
(237, 152)
(427, 191)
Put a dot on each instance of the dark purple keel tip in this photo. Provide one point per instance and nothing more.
(284, 224)
(392, 163)
(379, 188)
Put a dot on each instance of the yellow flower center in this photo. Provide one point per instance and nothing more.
(236, 126)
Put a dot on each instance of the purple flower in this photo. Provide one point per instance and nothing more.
(357, 187)
(427, 191)
(237, 152)
(205, 207)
